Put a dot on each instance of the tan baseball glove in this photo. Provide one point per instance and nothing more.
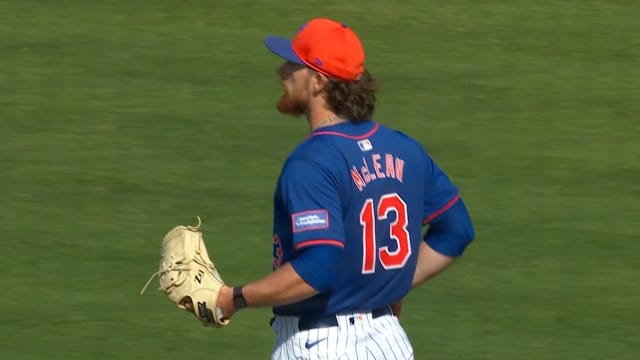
(187, 275)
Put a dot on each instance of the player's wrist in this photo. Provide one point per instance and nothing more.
(225, 301)
(239, 301)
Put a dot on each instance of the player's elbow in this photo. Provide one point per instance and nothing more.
(468, 233)
(452, 232)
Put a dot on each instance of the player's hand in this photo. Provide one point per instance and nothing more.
(227, 307)
(225, 302)
(396, 308)
(188, 304)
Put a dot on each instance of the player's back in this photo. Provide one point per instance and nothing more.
(380, 176)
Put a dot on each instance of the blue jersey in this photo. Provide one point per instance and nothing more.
(368, 190)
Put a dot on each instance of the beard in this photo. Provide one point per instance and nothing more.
(289, 105)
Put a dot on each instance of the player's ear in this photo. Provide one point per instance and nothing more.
(318, 82)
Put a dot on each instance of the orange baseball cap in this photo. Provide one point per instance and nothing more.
(326, 46)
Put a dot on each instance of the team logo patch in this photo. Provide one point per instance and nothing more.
(365, 145)
(310, 220)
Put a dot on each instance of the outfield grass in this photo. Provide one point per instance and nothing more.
(120, 119)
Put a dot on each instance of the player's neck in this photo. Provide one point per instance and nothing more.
(323, 118)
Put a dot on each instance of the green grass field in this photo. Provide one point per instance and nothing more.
(121, 119)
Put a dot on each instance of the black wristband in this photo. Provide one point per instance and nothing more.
(238, 298)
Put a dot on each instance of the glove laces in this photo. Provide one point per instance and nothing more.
(179, 265)
(166, 267)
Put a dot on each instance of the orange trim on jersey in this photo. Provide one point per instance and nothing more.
(443, 209)
(307, 243)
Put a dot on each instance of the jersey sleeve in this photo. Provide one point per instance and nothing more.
(440, 194)
(310, 194)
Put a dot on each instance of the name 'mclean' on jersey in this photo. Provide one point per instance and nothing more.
(368, 190)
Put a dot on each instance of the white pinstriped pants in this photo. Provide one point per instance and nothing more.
(358, 336)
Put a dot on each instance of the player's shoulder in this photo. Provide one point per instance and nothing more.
(310, 160)
(314, 151)
(401, 138)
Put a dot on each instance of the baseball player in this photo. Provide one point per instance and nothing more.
(349, 211)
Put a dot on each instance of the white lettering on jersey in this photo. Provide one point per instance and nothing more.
(310, 220)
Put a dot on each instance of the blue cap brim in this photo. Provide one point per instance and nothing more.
(282, 47)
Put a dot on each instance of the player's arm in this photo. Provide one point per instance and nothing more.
(430, 264)
(307, 189)
(283, 286)
(448, 236)
(308, 274)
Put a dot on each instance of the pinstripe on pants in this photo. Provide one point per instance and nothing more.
(358, 336)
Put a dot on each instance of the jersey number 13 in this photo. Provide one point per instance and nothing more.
(371, 216)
